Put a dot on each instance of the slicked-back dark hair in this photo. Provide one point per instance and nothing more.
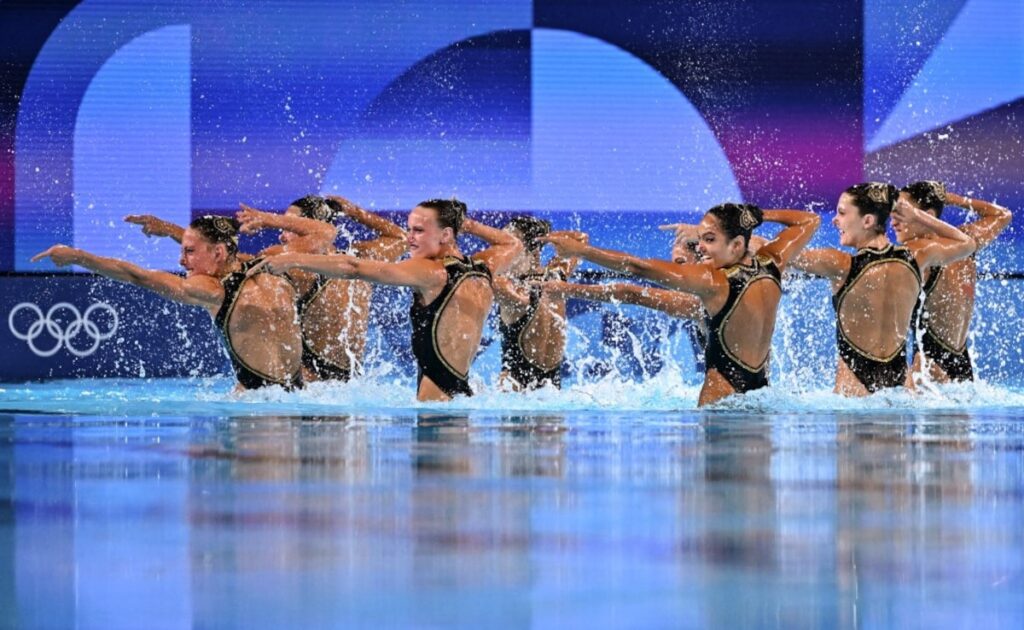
(531, 228)
(927, 195)
(450, 212)
(874, 198)
(738, 219)
(217, 229)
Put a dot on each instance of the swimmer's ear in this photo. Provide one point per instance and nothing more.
(447, 236)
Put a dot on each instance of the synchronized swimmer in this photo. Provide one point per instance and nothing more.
(299, 311)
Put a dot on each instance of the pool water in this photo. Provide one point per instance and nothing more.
(173, 503)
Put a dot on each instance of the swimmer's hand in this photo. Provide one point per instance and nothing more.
(346, 206)
(61, 255)
(251, 219)
(566, 246)
(685, 232)
(905, 212)
(154, 226)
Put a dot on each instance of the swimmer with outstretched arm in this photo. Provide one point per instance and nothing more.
(452, 292)
(740, 292)
(874, 290)
(255, 313)
(943, 316)
(532, 322)
(334, 314)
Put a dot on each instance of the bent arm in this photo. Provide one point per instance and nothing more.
(991, 222)
(800, 227)
(373, 221)
(312, 236)
(948, 245)
(503, 250)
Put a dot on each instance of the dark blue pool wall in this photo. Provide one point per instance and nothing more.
(605, 116)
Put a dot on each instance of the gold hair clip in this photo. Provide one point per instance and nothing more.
(878, 193)
(747, 219)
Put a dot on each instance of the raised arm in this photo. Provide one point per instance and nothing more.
(674, 303)
(948, 243)
(201, 291)
(373, 221)
(503, 250)
(991, 222)
(419, 274)
(155, 226)
(800, 227)
(700, 280)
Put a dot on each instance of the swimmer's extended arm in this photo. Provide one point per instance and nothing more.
(419, 274)
(377, 223)
(674, 303)
(692, 278)
(828, 263)
(312, 236)
(503, 250)
(155, 226)
(384, 248)
(992, 219)
(800, 227)
(948, 245)
(201, 290)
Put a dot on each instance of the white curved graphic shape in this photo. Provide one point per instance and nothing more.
(132, 148)
(608, 132)
(978, 65)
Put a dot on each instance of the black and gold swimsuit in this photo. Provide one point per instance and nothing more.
(873, 372)
(741, 376)
(425, 318)
(514, 361)
(955, 363)
(312, 360)
(248, 377)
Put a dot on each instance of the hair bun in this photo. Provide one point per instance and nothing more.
(751, 216)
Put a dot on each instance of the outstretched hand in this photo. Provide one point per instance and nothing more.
(905, 211)
(151, 225)
(61, 255)
(251, 219)
(566, 246)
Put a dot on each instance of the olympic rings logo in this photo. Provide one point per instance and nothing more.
(63, 329)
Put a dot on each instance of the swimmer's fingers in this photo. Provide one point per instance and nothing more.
(60, 255)
(145, 220)
(670, 227)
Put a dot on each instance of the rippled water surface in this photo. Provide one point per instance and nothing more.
(175, 503)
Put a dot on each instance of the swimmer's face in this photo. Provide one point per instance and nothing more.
(426, 238)
(199, 256)
(854, 228)
(714, 245)
(685, 252)
(907, 232)
(286, 236)
(524, 261)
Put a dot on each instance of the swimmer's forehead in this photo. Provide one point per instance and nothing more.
(708, 225)
(421, 216)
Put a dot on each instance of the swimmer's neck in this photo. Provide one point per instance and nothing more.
(450, 250)
(878, 241)
(229, 267)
